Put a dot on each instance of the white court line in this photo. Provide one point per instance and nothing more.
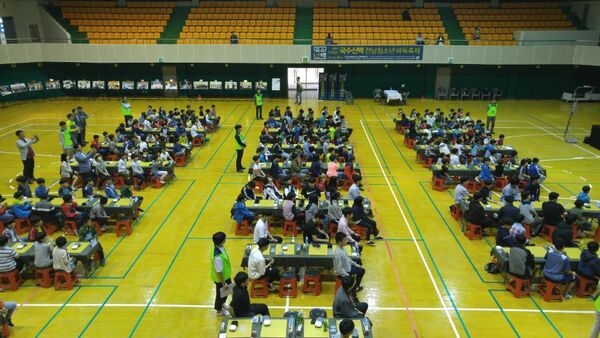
(570, 158)
(201, 306)
(16, 124)
(530, 135)
(36, 154)
(12, 132)
(560, 138)
(412, 235)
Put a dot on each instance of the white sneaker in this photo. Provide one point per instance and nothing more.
(223, 312)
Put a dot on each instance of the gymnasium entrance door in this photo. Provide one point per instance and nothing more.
(309, 78)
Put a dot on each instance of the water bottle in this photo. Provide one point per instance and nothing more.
(306, 243)
(293, 239)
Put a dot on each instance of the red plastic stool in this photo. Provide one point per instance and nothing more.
(50, 227)
(584, 287)
(289, 228)
(518, 286)
(410, 143)
(64, 280)
(500, 183)
(338, 284)
(10, 280)
(22, 225)
(259, 288)
(180, 160)
(44, 277)
(142, 185)
(438, 184)
(242, 229)
(551, 290)
(98, 228)
(112, 157)
(296, 182)
(360, 231)
(123, 226)
(456, 212)
(473, 231)
(332, 229)
(197, 141)
(527, 230)
(547, 232)
(119, 180)
(155, 182)
(312, 282)
(71, 227)
(597, 234)
(427, 162)
(288, 285)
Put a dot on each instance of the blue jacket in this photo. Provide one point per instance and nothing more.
(110, 191)
(21, 210)
(485, 174)
(240, 211)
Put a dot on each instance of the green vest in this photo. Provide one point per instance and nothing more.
(126, 111)
(68, 142)
(258, 99)
(226, 266)
(237, 145)
(492, 110)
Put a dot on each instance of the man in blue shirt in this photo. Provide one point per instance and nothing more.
(558, 268)
(584, 195)
(85, 165)
(485, 174)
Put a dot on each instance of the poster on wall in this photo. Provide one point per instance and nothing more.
(84, 84)
(246, 85)
(127, 85)
(98, 84)
(156, 84)
(142, 85)
(185, 85)
(171, 85)
(114, 85)
(52, 84)
(5, 90)
(262, 85)
(215, 85)
(18, 87)
(35, 86)
(68, 84)
(201, 85)
(231, 85)
(276, 84)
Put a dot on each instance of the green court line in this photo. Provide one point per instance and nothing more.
(166, 273)
(368, 129)
(222, 142)
(491, 292)
(435, 266)
(569, 191)
(455, 238)
(164, 221)
(246, 134)
(546, 317)
(57, 312)
(227, 137)
(385, 128)
(97, 312)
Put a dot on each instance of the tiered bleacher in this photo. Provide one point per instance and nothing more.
(252, 21)
(374, 22)
(138, 23)
(498, 24)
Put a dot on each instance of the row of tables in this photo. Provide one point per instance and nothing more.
(306, 165)
(111, 166)
(275, 208)
(589, 210)
(127, 207)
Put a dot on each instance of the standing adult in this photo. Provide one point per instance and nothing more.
(240, 144)
(298, 91)
(258, 102)
(126, 111)
(64, 136)
(492, 109)
(27, 154)
(85, 165)
(82, 123)
(72, 126)
(220, 271)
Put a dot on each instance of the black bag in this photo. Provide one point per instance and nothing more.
(492, 267)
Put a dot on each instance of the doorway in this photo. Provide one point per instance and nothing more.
(309, 79)
(9, 31)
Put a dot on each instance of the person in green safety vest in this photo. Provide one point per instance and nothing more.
(596, 327)
(64, 137)
(220, 272)
(126, 111)
(491, 116)
(258, 101)
(240, 144)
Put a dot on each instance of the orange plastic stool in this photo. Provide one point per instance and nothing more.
(296, 182)
(438, 184)
(123, 226)
(473, 231)
(410, 143)
(584, 287)
(64, 280)
(259, 288)
(98, 228)
(289, 228)
(500, 183)
(22, 225)
(551, 290)
(527, 230)
(338, 284)
(112, 157)
(50, 227)
(288, 285)
(547, 232)
(10, 280)
(197, 141)
(155, 182)
(597, 234)
(312, 282)
(427, 162)
(242, 229)
(44, 277)
(332, 229)
(456, 212)
(119, 180)
(518, 286)
(70, 227)
(360, 231)
(142, 185)
(180, 160)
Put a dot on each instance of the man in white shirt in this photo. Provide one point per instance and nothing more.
(460, 192)
(454, 158)
(352, 237)
(354, 190)
(258, 268)
(261, 230)
(343, 266)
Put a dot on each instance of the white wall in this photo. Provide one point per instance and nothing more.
(556, 37)
(51, 30)
(25, 13)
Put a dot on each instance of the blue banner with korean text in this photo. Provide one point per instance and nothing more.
(349, 53)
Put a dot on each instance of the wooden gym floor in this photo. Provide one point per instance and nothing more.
(426, 279)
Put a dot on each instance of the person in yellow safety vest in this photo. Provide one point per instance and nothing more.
(126, 111)
(64, 136)
(220, 271)
(491, 116)
(240, 144)
(258, 101)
